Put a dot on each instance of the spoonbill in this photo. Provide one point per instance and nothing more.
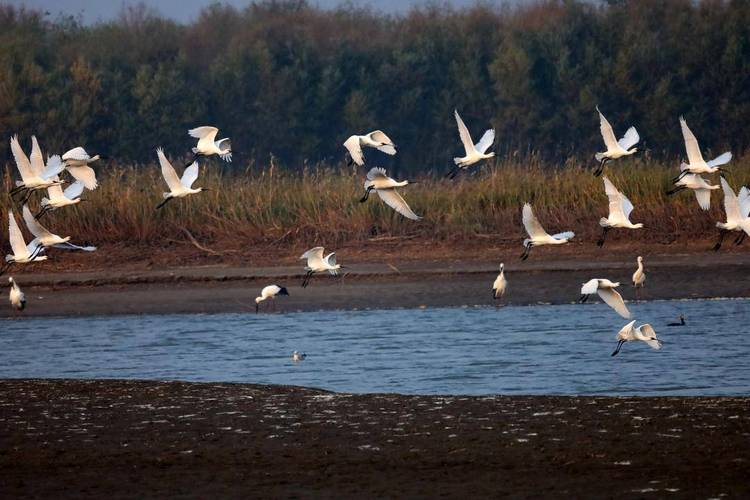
(630, 333)
(43, 237)
(537, 235)
(59, 198)
(298, 356)
(379, 181)
(696, 163)
(606, 290)
(681, 321)
(22, 253)
(735, 219)
(375, 139)
(77, 163)
(34, 174)
(619, 211)
(474, 152)
(178, 188)
(639, 277)
(269, 292)
(208, 145)
(316, 263)
(16, 297)
(698, 184)
(500, 284)
(615, 149)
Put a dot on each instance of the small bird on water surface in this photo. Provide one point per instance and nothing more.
(680, 323)
(298, 356)
(500, 284)
(606, 291)
(644, 333)
(375, 139)
(16, 297)
(269, 292)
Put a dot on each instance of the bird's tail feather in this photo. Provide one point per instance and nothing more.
(603, 222)
(457, 161)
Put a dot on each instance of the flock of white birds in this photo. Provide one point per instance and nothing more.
(36, 175)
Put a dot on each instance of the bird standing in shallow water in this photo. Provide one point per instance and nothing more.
(500, 284)
(639, 277)
(269, 292)
(16, 297)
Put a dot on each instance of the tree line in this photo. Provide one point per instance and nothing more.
(290, 81)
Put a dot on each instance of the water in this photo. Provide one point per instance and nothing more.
(546, 349)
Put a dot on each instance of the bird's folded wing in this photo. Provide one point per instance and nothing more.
(630, 139)
(614, 300)
(396, 202)
(355, 151)
(531, 223)
(168, 172)
(463, 132)
(691, 144)
(607, 133)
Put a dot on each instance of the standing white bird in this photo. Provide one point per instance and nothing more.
(375, 139)
(22, 253)
(59, 198)
(316, 263)
(606, 290)
(474, 152)
(379, 181)
(208, 145)
(619, 211)
(698, 184)
(696, 163)
(537, 235)
(735, 219)
(615, 149)
(43, 237)
(178, 188)
(644, 333)
(16, 297)
(500, 284)
(269, 292)
(298, 356)
(639, 277)
(77, 163)
(34, 174)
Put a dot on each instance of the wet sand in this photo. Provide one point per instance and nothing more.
(134, 439)
(384, 284)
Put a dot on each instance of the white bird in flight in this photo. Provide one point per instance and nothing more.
(379, 181)
(537, 235)
(316, 263)
(47, 239)
(500, 284)
(639, 277)
(474, 152)
(269, 292)
(22, 253)
(178, 188)
(375, 139)
(615, 149)
(696, 163)
(34, 174)
(620, 208)
(208, 145)
(698, 184)
(77, 163)
(644, 333)
(737, 219)
(59, 198)
(16, 297)
(606, 290)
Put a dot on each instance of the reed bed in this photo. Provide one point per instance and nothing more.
(320, 205)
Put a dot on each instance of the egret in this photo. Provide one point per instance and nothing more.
(630, 333)
(606, 290)
(43, 237)
(22, 253)
(639, 277)
(500, 284)
(375, 139)
(208, 145)
(298, 356)
(615, 149)
(735, 219)
(619, 211)
(378, 181)
(178, 188)
(59, 198)
(537, 235)
(698, 184)
(681, 321)
(474, 152)
(34, 174)
(316, 263)
(696, 163)
(16, 297)
(269, 292)
(77, 163)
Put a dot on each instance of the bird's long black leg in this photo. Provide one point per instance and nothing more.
(740, 238)
(619, 345)
(166, 200)
(306, 280)
(349, 160)
(723, 171)
(526, 252)
(600, 243)
(16, 190)
(722, 233)
(453, 173)
(367, 195)
(682, 174)
(583, 299)
(675, 190)
(600, 169)
(43, 212)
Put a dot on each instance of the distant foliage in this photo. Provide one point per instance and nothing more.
(288, 80)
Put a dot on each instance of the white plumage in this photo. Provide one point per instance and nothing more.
(178, 187)
(34, 173)
(269, 292)
(208, 145)
(639, 276)
(615, 149)
(473, 152)
(620, 208)
(698, 184)
(630, 333)
(375, 139)
(316, 263)
(59, 198)
(47, 239)
(500, 284)
(696, 164)
(737, 219)
(606, 291)
(77, 163)
(537, 235)
(22, 253)
(378, 180)
(16, 297)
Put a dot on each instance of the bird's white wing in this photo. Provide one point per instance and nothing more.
(648, 331)
(744, 199)
(204, 132)
(54, 167)
(486, 141)
(691, 144)
(463, 132)
(330, 259)
(590, 287)
(22, 161)
(704, 198)
(624, 331)
(630, 139)
(607, 133)
(16, 238)
(85, 174)
(55, 190)
(531, 223)
(720, 160)
(355, 150)
(36, 159)
(619, 205)
(396, 202)
(76, 154)
(314, 257)
(376, 173)
(167, 171)
(565, 235)
(614, 300)
(225, 146)
(72, 192)
(379, 136)
(189, 175)
(71, 246)
(35, 228)
(731, 203)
